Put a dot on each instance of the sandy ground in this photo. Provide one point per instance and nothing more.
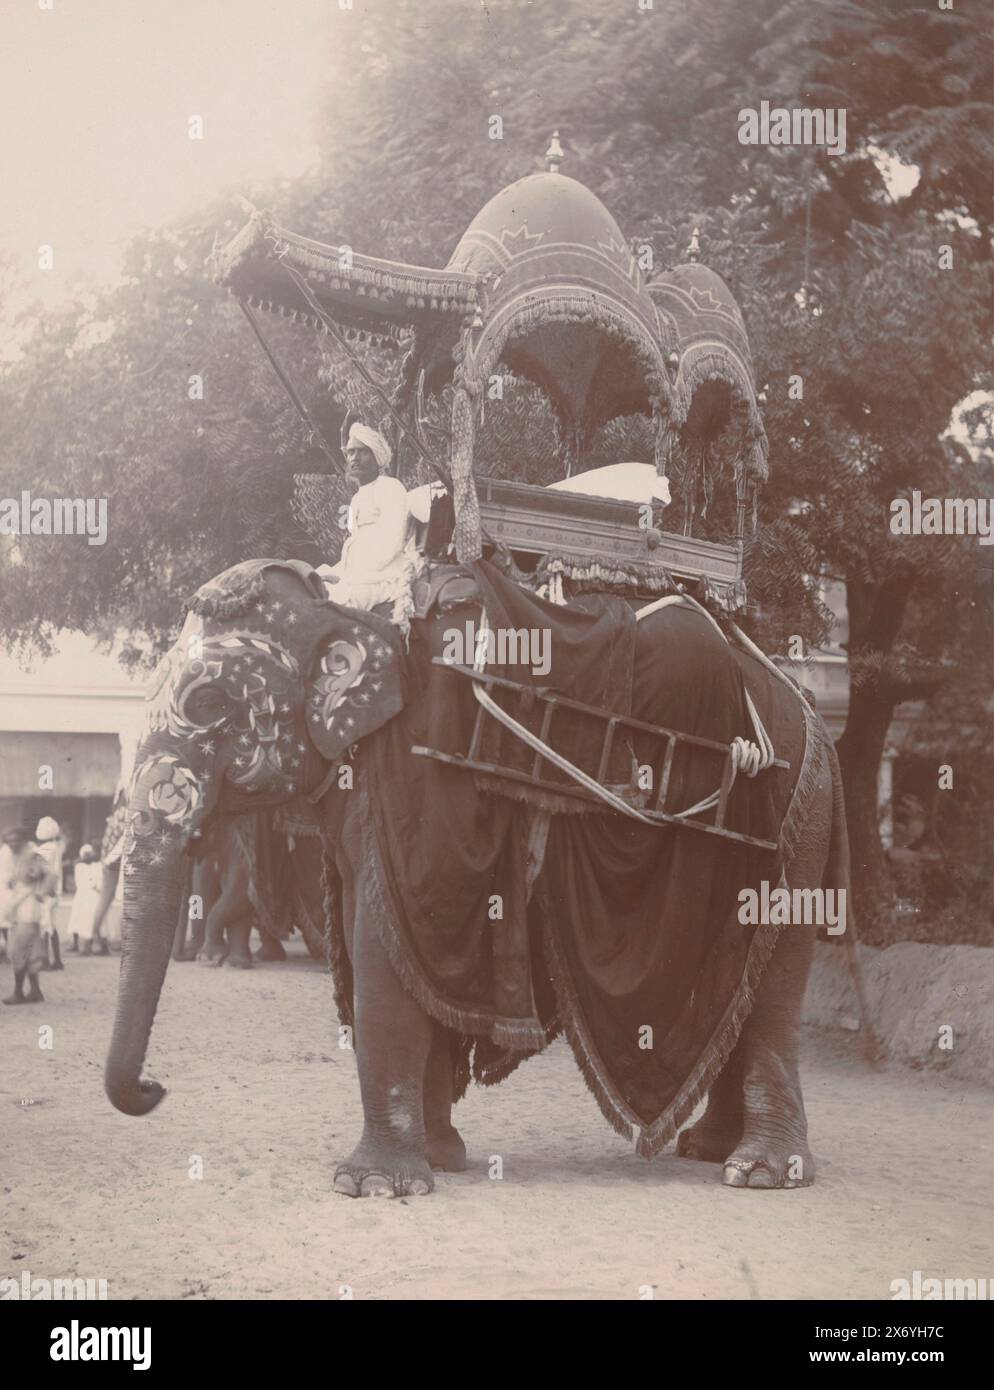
(261, 1093)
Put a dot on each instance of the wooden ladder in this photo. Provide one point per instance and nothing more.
(657, 812)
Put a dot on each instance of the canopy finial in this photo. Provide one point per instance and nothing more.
(694, 247)
(554, 154)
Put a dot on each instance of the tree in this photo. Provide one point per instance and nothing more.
(839, 277)
(155, 397)
(842, 280)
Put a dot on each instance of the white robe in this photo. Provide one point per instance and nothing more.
(52, 851)
(89, 881)
(6, 874)
(379, 561)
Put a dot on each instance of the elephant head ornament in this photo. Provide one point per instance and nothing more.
(268, 685)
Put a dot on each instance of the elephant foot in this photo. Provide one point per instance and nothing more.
(446, 1151)
(187, 955)
(706, 1145)
(214, 958)
(769, 1164)
(270, 950)
(239, 962)
(374, 1171)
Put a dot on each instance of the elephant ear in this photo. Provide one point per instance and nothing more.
(355, 684)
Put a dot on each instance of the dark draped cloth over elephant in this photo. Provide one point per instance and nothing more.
(638, 927)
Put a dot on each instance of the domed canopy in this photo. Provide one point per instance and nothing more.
(564, 302)
(701, 322)
(544, 285)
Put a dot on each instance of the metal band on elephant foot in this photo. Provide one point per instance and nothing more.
(772, 1169)
(380, 1177)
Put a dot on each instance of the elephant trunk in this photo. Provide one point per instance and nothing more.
(152, 893)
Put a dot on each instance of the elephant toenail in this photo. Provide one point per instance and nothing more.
(736, 1175)
(761, 1177)
(376, 1185)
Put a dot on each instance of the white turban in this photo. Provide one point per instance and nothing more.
(47, 829)
(374, 441)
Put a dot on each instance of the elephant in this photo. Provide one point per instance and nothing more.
(221, 936)
(251, 870)
(272, 693)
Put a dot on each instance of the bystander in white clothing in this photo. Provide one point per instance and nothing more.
(89, 880)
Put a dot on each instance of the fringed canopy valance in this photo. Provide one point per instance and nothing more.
(702, 324)
(565, 304)
(383, 299)
(544, 286)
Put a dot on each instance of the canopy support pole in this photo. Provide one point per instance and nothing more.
(374, 386)
(288, 387)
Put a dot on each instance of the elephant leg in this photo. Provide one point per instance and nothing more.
(754, 1122)
(224, 915)
(270, 947)
(393, 1040)
(239, 932)
(758, 1096)
(393, 1037)
(773, 1150)
(719, 1129)
(180, 951)
(446, 1149)
(198, 932)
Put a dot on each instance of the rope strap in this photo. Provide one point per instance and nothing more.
(746, 757)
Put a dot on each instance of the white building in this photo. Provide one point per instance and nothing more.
(68, 731)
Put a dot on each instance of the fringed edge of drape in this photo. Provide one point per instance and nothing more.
(500, 1068)
(654, 1137)
(520, 1035)
(222, 604)
(816, 739)
(613, 318)
(657, 1135)
(619, 1116)
(647, 578)
(245, 840)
